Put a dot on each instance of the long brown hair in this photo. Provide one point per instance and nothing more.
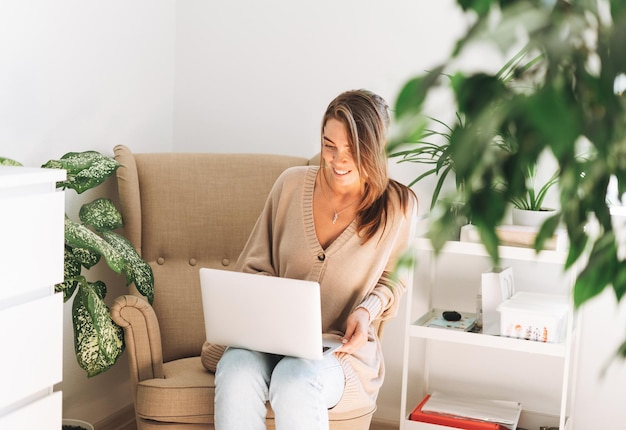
(365, 116)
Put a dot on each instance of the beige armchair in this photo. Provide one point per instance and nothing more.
(184, 211)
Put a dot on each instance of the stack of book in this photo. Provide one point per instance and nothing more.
(467, 413)
(518, 235)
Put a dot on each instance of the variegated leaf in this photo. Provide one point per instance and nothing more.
(101, 214)
(8, 162)
(98, 341)
(136, 270)
(85, 170)
(86, 257)
(78, 235)
(71, 270)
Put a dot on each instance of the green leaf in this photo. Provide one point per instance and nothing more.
(85, 170)
(413, 94)
(8, 162)
(135, 269)
(477, 92)
(490, 240)
(619, 282)
(481, 7)
(71, 271)
(548, 107)
(77, 235)
(599, 271)
(546, 231)
(86, 257)
(101, 214)
(98, 341)
(622, 350)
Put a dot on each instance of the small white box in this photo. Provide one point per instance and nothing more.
(534, 316)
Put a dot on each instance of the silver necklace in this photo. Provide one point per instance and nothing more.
(335, 212)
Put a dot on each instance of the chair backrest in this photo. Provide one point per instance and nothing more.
(183, 211)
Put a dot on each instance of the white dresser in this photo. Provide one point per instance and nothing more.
(31, 314)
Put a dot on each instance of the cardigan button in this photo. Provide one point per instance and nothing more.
(321, 256)
(225, 262)
(193, 261)
(160, 261)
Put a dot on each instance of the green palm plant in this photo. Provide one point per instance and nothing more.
(433, 153)
(532, 199)
(425, 145)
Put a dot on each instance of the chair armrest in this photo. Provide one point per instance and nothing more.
(142, 337)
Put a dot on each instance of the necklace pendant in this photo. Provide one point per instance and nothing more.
(335, 216)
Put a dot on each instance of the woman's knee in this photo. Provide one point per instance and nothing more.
(239, 368)
(294, 378)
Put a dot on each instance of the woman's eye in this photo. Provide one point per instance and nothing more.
(327, 146)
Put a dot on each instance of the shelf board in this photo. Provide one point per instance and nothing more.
(419, 330)
(416, 425)
(505, 252)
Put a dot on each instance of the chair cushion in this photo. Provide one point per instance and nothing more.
(184, 395)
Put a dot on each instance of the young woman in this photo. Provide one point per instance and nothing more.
(343, 224)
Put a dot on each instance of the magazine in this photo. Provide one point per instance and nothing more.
(466, 323)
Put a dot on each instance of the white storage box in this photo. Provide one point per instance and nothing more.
(534, 316)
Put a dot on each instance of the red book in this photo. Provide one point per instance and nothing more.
(450, 421)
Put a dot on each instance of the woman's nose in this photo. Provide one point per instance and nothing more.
(342, 155)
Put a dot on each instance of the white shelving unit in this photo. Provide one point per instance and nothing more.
(473, 364)
(31, 314)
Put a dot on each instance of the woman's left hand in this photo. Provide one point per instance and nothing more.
(356, 331)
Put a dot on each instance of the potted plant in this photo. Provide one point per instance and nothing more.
(98, 341)
(528, 208)
(69, 424)
(573, 101)
(430, 146)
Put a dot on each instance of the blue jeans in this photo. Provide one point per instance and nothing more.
(299, 390)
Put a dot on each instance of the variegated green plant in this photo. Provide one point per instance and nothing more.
(8, 162)
(98, 341)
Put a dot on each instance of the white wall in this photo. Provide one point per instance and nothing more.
(257, 76)
(78, 75)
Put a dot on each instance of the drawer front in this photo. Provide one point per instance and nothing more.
(32, 238)
(32, 348)
(42, 414)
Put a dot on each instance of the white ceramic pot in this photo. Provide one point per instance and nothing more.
(78, 423)
(531, 218)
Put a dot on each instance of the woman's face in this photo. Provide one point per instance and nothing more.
(338, 156)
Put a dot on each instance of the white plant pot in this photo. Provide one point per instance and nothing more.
(531, 218)
(79, 423)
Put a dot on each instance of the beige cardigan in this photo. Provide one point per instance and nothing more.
(351, 274)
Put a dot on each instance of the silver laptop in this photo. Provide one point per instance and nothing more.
(264, 313)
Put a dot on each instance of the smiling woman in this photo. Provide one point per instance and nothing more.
(321, 224)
